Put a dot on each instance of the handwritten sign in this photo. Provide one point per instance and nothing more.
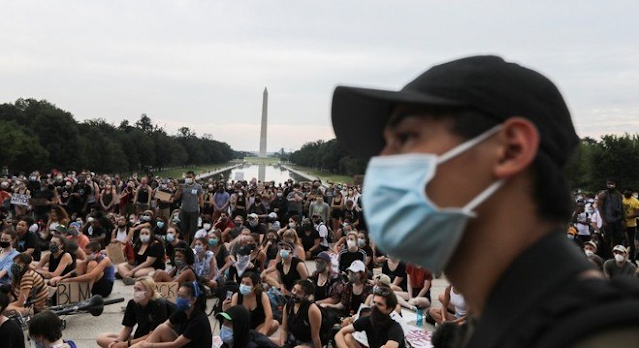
(168, 290)
(417, 337)
(72, 292)
(162, 196)
(115, 253)
(19, 199)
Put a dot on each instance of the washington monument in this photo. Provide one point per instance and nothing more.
(264, 123)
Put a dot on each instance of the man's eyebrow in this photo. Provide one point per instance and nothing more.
(398, 118)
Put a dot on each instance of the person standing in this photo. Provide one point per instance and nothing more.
(192, 196)
(509, 126)
(611, 210)
(221, 202)
(631, 211)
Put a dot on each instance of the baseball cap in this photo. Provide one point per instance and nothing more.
(61, 229)
(383, 278)
(488, 84)
(224, 315)
(357, 266)
(620, 248)
(286, 244)
(592, 244)
(323, 256)
(252, 216)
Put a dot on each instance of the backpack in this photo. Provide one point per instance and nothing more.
(330, 323)
(330, 235)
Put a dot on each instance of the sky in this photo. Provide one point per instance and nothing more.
(204, 64)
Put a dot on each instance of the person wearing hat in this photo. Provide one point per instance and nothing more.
(327, 283)
(235, 330)
(590, 249)
(354, 292)
(291, 269)
(619, 265)
(453, 150)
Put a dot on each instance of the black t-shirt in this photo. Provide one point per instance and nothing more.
(308, 240)
(196, 328)
(27, 241)
(11, 334)
(147, 318)
(378, 337)
(155, 249)
(346, 258)
(220, 256)
(79, 197)
(259, 228)
(400, 271)
(45, 195)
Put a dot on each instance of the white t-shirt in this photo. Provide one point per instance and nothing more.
(582, 224)
(596, 218)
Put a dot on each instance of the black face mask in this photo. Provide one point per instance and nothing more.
(378, 318)
(4, 244)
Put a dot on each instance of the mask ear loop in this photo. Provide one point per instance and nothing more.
(454, 152)
(484, 195)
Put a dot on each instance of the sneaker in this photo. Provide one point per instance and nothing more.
(128, 281)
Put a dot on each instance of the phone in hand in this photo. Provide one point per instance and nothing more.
(229, 294)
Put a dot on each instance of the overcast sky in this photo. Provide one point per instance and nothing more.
(204, 64)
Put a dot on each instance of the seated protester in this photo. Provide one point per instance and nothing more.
(418, 292)
(301, 318)
(590, 248)
(183, 270)
(351, 253)
(451, 298)
(252, 296)
(120, 233)
(97, 270)
(235, 331)
(343, 232)
(238, 226)
(27, 238)
(364, 243)
(269, 246)
(188, 326)
(74, 234)
(381, 281)
(310, 239)
(259, 209)
(203, 232)
(8, 238)
(290, 236)
(224, 223)
(160, 226)
(292, 225)
(205, 266)
(396, 270)
(381, 330)
(248, 258)
(23, 282)
(149, 256)
(290, 270)
(255, 226)
(322, 230)
(147, 310)
(354, 292)
(136, 224)
(327, 285)
(45, 329)
(10, 329)
(619, 266)
(223, 259)
(59, 261)
(174, 241)
(94, 231)
(350, 213)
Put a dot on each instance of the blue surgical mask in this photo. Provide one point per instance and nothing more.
(182, 303)
(226, 335)
(212, 242)
(284, 253)
(245, 289)
(170, 237)
(394, 191)
(160, 224)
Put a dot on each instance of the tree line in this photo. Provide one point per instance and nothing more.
(38, 135)
(613, 156)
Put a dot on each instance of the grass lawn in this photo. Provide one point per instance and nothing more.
(176, 173)
(259, 160)
(325, 176)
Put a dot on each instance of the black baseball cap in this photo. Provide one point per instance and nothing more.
(487, 84)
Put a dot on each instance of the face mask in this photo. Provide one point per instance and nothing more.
(16, 270)
(237, 223)
(4, 245)
(145, 238)
(394, 187)
(352, 278)
(361, 242)
(252, 223)
(188, 181)
(160, 224)
(241, 194)
(589, 253)
(297, 299)
(379, 318)
(223, 220)
(226, 335)
(54, 248)
(619, 258)
(320, 267)
(207, 226)
(284, 253)
(291, 225)
(212, 242)
(245, 289)
(138, 296)
(91, 257)
(279, 194)
(182, 304)
(570, 236)
(179, 263)
(170, 237)
(145, 218)
(199, 248)
(38, 344)
(351, 244)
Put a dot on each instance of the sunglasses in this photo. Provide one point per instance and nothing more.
(380, 291)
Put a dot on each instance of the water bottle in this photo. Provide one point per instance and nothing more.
(420, 318)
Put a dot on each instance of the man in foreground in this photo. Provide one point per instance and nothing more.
(468, 180)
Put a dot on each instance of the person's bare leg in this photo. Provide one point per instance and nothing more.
(123, 269)
(142, 272)
(162, 333)
(162, 276)
(421, 302)
(104, 339)
(351, 342)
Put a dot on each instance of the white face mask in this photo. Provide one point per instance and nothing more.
(188, 181)
(351, 244)
(589, 253)
(619, 258)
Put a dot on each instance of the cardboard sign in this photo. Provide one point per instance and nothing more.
(115, 253)
(163, 196)
(417, 337)
(19, 199)
(72, 292)
(168, 290)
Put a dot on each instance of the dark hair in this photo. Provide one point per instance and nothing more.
(176, 228)
(94, 246)
(200, 301)
(256, 280)
(46, 324)
(4, 301)
(307, 286)
(11, 232)
(189, 257)
(550, 189)
(388, 294)
(63, 243)
(190, 172)
(23, 258)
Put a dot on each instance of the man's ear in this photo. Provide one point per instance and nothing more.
(519, 140)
